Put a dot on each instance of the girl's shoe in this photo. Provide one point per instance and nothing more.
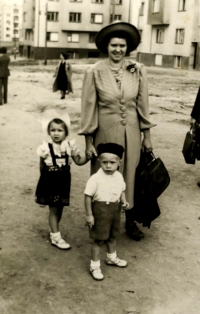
(96, 273)
(116, 262)
(56, 240)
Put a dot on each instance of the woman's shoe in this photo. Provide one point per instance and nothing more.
(134, 232)
(63, 97)
(96, 273)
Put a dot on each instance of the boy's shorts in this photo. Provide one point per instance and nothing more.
(106, 220)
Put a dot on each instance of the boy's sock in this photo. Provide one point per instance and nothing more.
(94, 264)
(112, 256)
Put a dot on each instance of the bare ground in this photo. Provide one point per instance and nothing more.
(163, 274)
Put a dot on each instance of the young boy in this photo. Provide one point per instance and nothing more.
(104, 195)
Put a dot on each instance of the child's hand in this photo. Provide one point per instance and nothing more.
(89, 221)
(125, 205)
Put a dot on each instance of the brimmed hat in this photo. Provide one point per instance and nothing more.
(111, 148)
(51, 114)
(118, 28)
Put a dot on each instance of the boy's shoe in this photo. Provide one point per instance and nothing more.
(60, 243)
(96, 273)
(117, 262)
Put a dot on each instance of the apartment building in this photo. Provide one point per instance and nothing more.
(10, 24)
(170, 33)
(53, 26)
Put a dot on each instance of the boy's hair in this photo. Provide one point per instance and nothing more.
(58, 121)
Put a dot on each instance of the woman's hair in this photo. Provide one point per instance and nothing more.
(64, 55)
(117, 34)
(58, 121)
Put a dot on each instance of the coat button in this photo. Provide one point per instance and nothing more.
(122, 101)
(123, 108)
(123, 115)
(123, 122)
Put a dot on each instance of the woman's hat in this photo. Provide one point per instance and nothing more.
(51, 114)
(111, 148)
(115, 29)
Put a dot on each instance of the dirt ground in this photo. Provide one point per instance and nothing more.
(163, 275)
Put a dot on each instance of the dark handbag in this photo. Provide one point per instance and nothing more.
(189, 148)
(155, 176)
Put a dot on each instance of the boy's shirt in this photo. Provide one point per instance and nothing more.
(105, 188)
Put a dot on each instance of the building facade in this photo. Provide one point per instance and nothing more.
(54, 26)
(170, 33)
(10, 24)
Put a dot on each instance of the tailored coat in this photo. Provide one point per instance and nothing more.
(111, 114)
(68, 69)
(4, 73)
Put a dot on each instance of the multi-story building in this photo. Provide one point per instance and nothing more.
(10, 24)
(170, 34)
(53, 26)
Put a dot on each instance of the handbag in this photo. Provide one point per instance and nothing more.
(189, 148)
(155, 176)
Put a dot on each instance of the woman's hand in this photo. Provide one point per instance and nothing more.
(90, 149)
(147, 145)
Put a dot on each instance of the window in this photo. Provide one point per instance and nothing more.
(181, 5)
(7, 35)
(140, 31)
(180, 36)
(160, 36)
(96, 18)
(118, 1)
(155, 7)
(16, 24)
(15, 31)
(7, 28)
(24, 17)
(141, 9)
(97, 1)
(75, 0)
(52, 36)
(75, 17)
(16, 11)
(177, 61)
(73, 38)
(158, 60)
(92, 37)
(116, 17)
(16, 18)
(52, 16)
(8, 22)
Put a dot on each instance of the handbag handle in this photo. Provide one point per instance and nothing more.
(150, 154)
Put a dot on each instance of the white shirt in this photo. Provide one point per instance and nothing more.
(105, 188)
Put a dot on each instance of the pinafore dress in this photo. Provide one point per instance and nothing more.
(54, 183)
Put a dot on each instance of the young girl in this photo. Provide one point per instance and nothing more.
(53, 188)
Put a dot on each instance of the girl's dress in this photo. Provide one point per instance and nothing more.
(55, 180)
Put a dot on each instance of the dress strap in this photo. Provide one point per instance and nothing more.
(52, 154)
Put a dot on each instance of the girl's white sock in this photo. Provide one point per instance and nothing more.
(94, 264)
(55, 234)
(112, 256)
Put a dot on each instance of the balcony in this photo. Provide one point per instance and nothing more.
(158, 12)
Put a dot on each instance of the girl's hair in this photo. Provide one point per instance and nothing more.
(58, 121)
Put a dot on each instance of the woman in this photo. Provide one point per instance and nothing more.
(63, 76)
(115, 106)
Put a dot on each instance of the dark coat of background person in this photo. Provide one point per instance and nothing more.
(68, 69)
(4, 73)
(195, 114)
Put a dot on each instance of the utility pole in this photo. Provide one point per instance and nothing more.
(45, 48)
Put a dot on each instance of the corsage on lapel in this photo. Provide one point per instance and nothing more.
(131, 67)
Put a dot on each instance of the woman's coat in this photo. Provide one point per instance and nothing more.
(116, 115)
(68, 69)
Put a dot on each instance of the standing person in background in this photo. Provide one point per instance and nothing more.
(115, 107)
(4, 73)
(195, 119)
(63, 76)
